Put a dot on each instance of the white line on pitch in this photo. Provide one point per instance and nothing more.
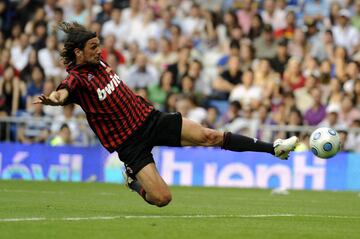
(172, 217)
(51, 192)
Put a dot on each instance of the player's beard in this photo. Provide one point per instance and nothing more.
(95, 61)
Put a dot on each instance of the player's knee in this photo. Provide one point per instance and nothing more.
(163, 199)
(210, 137)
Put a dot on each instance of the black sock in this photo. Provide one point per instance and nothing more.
(135, 185)
(240, 143)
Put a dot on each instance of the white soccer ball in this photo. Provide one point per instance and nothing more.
(325, 142)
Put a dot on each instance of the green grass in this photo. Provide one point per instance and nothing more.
(105, 210)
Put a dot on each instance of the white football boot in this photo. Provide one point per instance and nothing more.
(283, 147)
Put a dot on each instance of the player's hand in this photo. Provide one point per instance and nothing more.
(52, 99)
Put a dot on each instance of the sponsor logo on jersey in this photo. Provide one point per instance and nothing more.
(109, 88)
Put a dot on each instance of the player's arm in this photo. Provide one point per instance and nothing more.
(55, 98)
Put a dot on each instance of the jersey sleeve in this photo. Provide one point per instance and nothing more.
(72, 84)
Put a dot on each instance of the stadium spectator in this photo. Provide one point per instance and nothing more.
(79, 13)
(63, 136)
(262, 117)
(35, 127)
(116, 27)
(295, 119)
(232, 112)
(323, 48)
(187, 85)
(335, 93)
(12, 93)
(53, 23)
(356, 93)
(234, 50)
(48, 87)
(248, 94)
(274, 16)
(288, 31)
(49, 58)
(5, 61)
(332, 118)
(298, 46)
(50, 9)
(315, 10)
(142, 73)
(346, 35)
(353, 139)
(256, 28)
(348, 112)
(166, 56)
(38, 39)
(106, 10)
(110, 48)
(211, 119)
(340, 59)
(265, 45)
(312, 33)
(193, 22)
(245, 15)
(180, 67)
(187, 105)
(35, 86)
(170, 102)
(293, 77)
(280, 60)
(227, 80)
(133, 13)
(20, 53)
(352, 74)
(247, 53)
(265, 77)
(223, 29)
(335, 8)
(25, 74)
(202, 82)
(159, 92)
(39, 16)
(314, 115)
(141, 31)
(304, 98)
(67, 117)
(325, 73)
(152, 48)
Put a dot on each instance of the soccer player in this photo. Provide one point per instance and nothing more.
(128, 124)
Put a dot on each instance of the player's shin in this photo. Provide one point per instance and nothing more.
(240, 143)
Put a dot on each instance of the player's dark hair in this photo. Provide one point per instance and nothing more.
(76, 37)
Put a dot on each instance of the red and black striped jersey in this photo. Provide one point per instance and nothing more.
(113, 111)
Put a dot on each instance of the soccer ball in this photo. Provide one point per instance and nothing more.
(324, 142)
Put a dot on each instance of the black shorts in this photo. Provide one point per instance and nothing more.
(160, 129)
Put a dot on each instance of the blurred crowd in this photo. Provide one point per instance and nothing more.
(240, 65)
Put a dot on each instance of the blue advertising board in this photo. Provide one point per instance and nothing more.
(187, 166)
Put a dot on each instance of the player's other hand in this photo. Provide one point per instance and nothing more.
(52, 99)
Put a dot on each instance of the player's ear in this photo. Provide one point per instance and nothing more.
(78, 52)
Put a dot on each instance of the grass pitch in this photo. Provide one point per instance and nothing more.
(93, 210)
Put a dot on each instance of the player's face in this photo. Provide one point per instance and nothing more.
(92, 51)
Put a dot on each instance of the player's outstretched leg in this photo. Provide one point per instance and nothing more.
(193, 134)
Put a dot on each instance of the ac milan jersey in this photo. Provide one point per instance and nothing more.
(113, 111)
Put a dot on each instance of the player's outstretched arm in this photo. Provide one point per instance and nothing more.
(55, 98)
